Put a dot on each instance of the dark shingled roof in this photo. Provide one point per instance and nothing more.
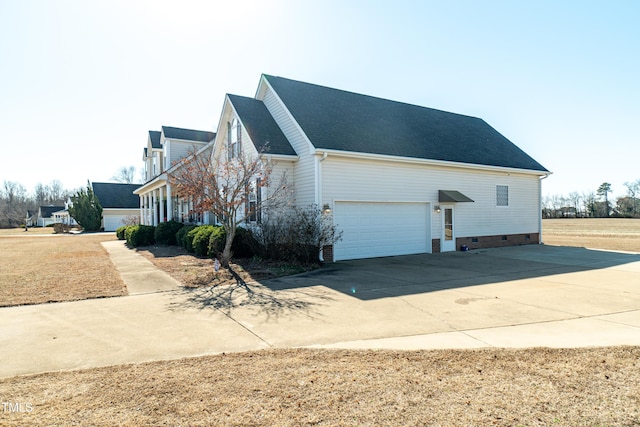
(116, 196)
(262, 129)
(338, 120)
(47, 211)
(154, 135)
(188, 134)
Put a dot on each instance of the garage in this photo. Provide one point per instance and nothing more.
(377, 229)
(112, 222)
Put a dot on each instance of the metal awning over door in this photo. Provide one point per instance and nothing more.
(448, 196)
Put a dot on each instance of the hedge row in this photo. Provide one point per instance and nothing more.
(203, 240)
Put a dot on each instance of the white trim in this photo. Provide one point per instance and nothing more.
(442, 163)
(310, 146)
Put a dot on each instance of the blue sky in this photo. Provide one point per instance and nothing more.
(82, 82)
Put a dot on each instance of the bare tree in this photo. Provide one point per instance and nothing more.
(13, 204)
(229, 186)
(126, 175)
(633, 190)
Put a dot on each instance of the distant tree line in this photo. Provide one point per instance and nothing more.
(594, 204)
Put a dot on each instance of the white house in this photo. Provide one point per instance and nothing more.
(163, 151)
(119, 204)
(397, 178)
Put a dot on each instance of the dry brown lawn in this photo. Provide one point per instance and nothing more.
(294, 387)
(49, 268)
(289, 387)
(621, 234)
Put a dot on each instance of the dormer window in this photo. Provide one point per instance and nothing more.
(234, 139)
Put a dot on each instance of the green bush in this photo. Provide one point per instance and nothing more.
(244, 244)
(216, 242)
(166, 232)
(201, 236)
(140, 235)
(183, 239)
(120, 232)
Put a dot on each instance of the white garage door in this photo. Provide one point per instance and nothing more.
(112, 222)
(381, 229)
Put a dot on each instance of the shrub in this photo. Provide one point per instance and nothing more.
(245, 245)
(216, 242)
(296, 234)
(201, 236)
(140, 235)
(183, 239)
(166, 232)
(120, 232)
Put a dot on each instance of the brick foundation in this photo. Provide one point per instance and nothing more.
(499, 241)
(327, 253)
(490, 241)
(435, 246)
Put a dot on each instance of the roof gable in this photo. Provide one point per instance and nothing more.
(116, 196)
(260, 125)
(334, 119)
(188, 134)
(154, 137)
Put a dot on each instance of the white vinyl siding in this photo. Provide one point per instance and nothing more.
(304, 169)
(404, 182)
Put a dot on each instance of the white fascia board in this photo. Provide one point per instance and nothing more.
(157, 182)
(284, 106)
(283, 157)
(428, 162)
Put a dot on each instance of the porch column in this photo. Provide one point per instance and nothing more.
(169, 203)
(154, 215)
(148, 220)
(141, 220)
(161, 202)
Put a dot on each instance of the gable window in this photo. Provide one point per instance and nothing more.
(502, 195)
(234, 139)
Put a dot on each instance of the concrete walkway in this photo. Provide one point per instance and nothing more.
(514, 297)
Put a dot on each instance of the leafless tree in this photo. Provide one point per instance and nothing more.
(235, 188)
(126, 175)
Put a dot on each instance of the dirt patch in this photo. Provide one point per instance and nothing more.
(596, 386)
(194, 271)
(52, 268)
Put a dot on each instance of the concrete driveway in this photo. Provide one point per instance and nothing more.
(513, 297)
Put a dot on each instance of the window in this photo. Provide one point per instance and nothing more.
(502, 195)
(234, 139)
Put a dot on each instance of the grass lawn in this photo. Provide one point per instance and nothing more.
(46, 268)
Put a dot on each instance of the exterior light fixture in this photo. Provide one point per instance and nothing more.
(326, 209)
(437, 209)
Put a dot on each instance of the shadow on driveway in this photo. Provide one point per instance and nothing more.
(411, 274)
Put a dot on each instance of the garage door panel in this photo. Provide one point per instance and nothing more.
(381, 229)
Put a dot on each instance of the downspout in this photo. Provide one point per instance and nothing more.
(540, 242)
(319, 191)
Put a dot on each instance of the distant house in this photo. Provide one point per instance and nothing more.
(396, 178)
(119, 204)
(46, 215)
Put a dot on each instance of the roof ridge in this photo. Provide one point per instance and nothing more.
(378, 98)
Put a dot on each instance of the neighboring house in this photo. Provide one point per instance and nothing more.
(165, 149)
(118, 202)
(46, 214)
(397, 178)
